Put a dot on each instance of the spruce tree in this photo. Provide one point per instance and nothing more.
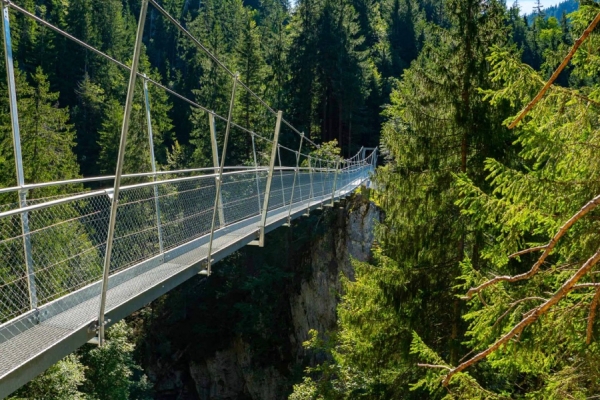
(328, 87)
(47, 137)
(438, 125)
(543, 306)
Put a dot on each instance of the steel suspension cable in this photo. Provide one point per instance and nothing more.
(160, 85)
(186, 33)
(125, 66)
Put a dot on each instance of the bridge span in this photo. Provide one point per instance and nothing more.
(100, 248)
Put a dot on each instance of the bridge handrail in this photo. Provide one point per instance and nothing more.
(32, 186)
(57, 243)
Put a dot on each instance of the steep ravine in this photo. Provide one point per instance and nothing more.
(239, 334)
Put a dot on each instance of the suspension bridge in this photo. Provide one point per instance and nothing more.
(75, 263)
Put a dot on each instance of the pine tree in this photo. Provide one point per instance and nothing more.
(137, 152)
(252, 68)
(328, 86)
(538, 9)
(222, 36)
(402, 36)
(47, 137)
(553, 299)
(438, 125)
(275, 39)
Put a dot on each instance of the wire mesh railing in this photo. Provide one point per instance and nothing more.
(63, 242)
(68, 235)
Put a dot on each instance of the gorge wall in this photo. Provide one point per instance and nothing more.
(239, 334)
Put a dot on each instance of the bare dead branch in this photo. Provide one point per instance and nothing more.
(587, 285)
(592, 316)
(434, 366)
(528, 313)
(556, 73)
(527, 251)
(548, 249)
(531, 317)
(512, 305)
(481, 299)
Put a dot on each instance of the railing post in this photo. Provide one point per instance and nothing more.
(265, 210)
(16, 138)
(281, 177)
(323, 176)
(256, 174)
(220, 178)
(311, 193)
(375, 159)
(153, 163)
(119, 169)
(335, 177)
(294, 183)
(215, 156)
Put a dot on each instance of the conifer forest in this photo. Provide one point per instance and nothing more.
(481, 278)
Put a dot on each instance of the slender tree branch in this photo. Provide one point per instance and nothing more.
(434, 366)
(592, 316)
(578, 95)
(531, 317)
(556, 73)
(513, 304)
(481, 299)
(587, 285)
(527, 299)
(527, 251)
(466, 355)
(548, 249)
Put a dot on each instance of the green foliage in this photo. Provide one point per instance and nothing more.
(549, 180)
(93, 373)
(459, 191)
(60, 382)
(111, 372)
(306, 390)
(329, 84)
(47, 138)
(328, 153)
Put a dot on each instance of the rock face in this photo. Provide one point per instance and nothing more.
(351, 237)
(346, 232)
(230, 375)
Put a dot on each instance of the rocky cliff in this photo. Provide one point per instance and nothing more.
(240, 336)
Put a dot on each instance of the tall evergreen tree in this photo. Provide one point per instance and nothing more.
(328, 86)
(47, 137)
(438, 125)
(221, 35)
(547, 301)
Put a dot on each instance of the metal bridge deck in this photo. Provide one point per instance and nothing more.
(38, 339)
(86, 252)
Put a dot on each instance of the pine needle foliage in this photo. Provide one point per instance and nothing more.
(438, 125)
(527, 203)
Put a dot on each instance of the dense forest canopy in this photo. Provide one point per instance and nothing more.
(476, 254)
(323, 65)
(557, 10)
(483, 280)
